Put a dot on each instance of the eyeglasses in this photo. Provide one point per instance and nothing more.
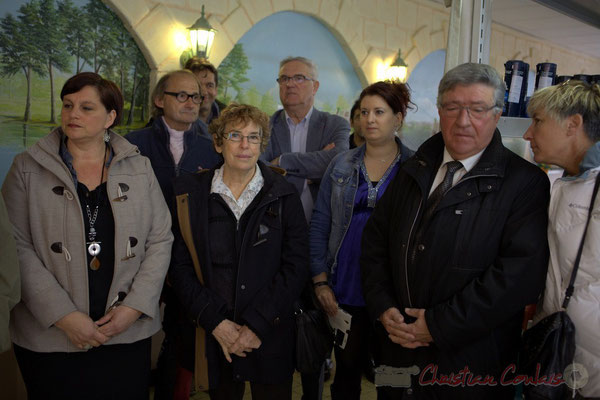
(299, 79)
(474, 112)
(253, 138)
(182, 97)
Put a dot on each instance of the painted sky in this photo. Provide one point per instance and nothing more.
(424, 81)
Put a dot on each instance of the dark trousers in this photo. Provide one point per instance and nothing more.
(111, 372)
(351, 360)
(164, 385)
(312, 385)
(228, 389)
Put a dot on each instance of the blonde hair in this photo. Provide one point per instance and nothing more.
(236, 114)
(569, 98)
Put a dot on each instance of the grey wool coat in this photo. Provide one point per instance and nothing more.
(44, 209)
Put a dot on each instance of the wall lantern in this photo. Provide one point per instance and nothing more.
(201, 37)
(398, 69)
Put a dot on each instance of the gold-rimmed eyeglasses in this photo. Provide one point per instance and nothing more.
(473, 111)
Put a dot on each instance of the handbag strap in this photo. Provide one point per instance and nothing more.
(570, 288)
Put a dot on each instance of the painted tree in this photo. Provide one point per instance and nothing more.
(268, 103)
(253, 96)
(232, 71)
(50, 43)
(341, 105)
(101, 23)
(75, 33)
(140, 81)
(18, 50)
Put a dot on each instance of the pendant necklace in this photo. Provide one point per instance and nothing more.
(94, 246)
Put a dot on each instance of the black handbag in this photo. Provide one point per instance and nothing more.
(314, 337)
(549, 346)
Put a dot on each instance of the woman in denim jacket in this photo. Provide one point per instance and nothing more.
(350, 188)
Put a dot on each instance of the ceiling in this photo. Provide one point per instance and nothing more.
(572, 24)
(579, 31)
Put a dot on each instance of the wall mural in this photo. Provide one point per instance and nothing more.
(424, 79)
(248, 73)
(42, 44)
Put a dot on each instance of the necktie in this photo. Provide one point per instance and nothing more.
(440, 191)
(433, 201)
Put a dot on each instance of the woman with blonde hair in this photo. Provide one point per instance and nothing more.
(566, 132)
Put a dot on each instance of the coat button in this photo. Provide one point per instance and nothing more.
(340, 180)
(468, 193)
(243, 287)
(409, 391)
(489, 187)
(421, 247)
(276, 321)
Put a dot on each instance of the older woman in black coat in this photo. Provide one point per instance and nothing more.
(250, 238)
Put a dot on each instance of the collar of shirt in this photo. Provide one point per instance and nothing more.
(241, 204)
(303, 121)
(67, 158)
(468, 164)
(298, 132)
(174, 133)
(175, 142)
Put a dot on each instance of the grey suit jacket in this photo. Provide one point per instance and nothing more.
(323, 128)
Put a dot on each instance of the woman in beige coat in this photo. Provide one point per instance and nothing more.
(94, 240)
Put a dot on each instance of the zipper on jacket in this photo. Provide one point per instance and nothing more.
(242, 247)
(408, 247)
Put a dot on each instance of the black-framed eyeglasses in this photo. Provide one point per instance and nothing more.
(254, 138)
(299, 79)
(182, 97)
(474, 112)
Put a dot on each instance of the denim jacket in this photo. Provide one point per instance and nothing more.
(335, 203)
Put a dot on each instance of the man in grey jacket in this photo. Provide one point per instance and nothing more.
(303, 139)
(10, 285)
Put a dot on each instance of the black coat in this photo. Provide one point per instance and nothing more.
(482, 258)
(153, 142)
(272, 270)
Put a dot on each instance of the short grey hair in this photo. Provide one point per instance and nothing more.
(470, 74)
(314, 72)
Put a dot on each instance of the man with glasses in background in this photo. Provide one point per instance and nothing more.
(456, 249)
(175, 145)
(303, 139)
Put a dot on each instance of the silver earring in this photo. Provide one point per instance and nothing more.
(106, 136)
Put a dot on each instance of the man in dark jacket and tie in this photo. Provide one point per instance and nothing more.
(455, 250)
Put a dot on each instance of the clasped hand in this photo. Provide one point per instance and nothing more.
(409, 335)
(83, 332)
(235, 339)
